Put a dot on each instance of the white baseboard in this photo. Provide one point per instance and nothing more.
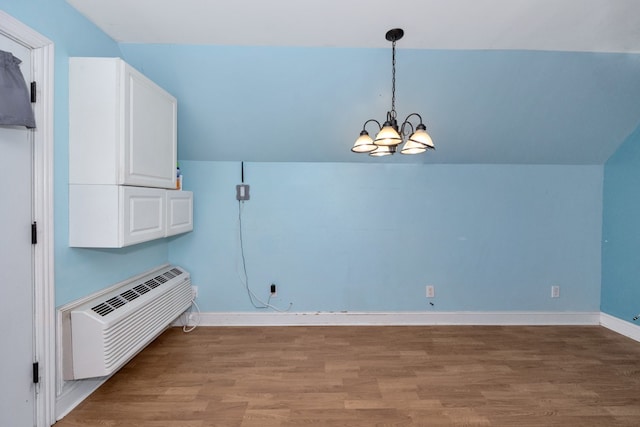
(74, 392)
(620, 326)
(398, 318)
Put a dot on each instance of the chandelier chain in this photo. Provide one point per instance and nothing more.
(393, 80)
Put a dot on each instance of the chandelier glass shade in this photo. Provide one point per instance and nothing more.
(389, 135)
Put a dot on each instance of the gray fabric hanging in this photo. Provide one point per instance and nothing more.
(15, 102)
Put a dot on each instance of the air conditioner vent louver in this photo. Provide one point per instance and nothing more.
(109, 330)
(141, 289)
(129, 295)
(102, 309)
(152, 283)
(116, 302)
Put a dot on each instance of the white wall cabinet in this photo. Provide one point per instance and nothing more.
(122, 157)
(115, 216)
(122, 126)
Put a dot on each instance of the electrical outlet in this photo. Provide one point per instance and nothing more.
(555, 291)
(431, 291)
(273, 290)
(194, 292)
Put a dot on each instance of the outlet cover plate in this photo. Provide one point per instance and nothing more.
(431, 291)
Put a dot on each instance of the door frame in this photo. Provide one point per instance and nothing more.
(42, 55)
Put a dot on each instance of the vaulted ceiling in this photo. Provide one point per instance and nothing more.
(497, 81)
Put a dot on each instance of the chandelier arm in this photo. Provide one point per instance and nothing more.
(405, 123)
(364, 126)
(413, 114)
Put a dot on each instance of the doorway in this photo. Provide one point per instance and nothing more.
(27, 276)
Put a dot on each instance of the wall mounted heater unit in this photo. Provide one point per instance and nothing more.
(109, 328)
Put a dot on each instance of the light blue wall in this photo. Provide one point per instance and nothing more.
(77, 271)
(621, 231)
(279, 104)
(365, 237)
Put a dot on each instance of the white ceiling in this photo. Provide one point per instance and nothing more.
(558, 25)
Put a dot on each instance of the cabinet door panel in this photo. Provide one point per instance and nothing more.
(179, 212)
(150, 157)
(143, 214)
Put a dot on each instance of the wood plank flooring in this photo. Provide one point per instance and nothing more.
(374, 376)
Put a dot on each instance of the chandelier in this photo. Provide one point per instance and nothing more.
(389, 137)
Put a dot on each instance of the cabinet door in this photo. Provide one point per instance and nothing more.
(150, 153)
(179, 212)
(143, 214)
(122, 126)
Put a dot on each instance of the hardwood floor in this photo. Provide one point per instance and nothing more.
(374, 376)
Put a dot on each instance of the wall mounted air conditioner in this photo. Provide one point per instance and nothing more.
(107, 329)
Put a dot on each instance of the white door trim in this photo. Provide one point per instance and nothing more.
(42, 52)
